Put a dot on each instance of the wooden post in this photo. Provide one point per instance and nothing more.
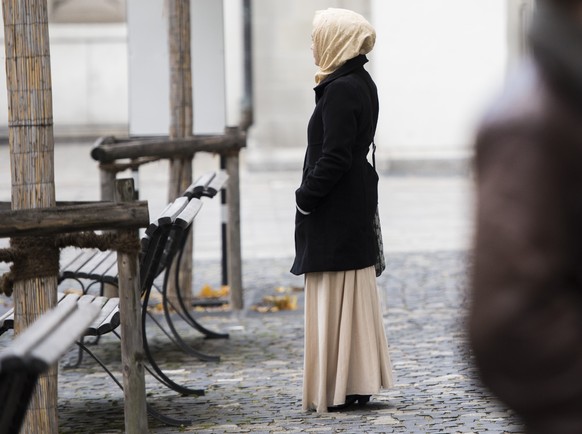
(30, 122)
(164, 148)
(107, 178)
(234, 261)
(181, 119)
(229, 146)
(132, 353)
(42, 222)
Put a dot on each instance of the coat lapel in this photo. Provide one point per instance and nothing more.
(348, 67)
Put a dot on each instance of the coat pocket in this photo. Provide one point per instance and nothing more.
(313, 154)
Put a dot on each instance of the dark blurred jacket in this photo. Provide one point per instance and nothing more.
(526, 315)
(339, 187)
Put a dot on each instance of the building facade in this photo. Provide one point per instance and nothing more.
(89, 68)
(436, 64)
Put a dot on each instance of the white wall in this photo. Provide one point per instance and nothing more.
(89, 78)
(149, 71)
(436, 64)
(100, 86)
(89, 74)
(234, 51)
(149, 105)
(284, 73)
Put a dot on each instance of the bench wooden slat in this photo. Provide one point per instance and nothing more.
(66, 333)
(217, 184)
(32, 352)
(196, 189)
(94, 258)
(186, 217)
(6, 321)
(106, 321)
(112, 321)
(76, 261)
(44, 341)
(168, 215)
(42, 330)
(95, 262)
(69, 300)
(86, 299)
(107, 270)
(101, 267)
(108, 318)
(80, 260)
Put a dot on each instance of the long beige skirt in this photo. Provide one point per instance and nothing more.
(346, 351)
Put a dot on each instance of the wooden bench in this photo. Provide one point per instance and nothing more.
(116, 155)
(154, 247)
(97, 267)
(125, 216)
(154, 244)
(207, 186)
(106, 321)
(34, 351)
(91, 267)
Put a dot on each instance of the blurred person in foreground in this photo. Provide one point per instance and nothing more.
(346, 352)
(526, 316)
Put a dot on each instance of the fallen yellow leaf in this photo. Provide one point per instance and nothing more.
(208, 292)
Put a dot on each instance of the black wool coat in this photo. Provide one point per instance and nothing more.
(339, 187)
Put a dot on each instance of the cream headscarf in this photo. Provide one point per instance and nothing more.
(338, 36)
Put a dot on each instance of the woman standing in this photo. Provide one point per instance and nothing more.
(346, 352)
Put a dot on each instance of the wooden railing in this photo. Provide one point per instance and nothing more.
(124, 216)
(116, 155)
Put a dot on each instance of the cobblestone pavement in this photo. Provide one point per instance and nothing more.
(256, 387)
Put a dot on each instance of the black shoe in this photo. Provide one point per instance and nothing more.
(350, 400)
(361, 399)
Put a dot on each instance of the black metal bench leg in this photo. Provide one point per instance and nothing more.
(191, 321)
(154, 365)
(178, 339)
(151, 411)
(185, 311)
(174, 337)
(185, 315)
(79, 355)
(166, 381)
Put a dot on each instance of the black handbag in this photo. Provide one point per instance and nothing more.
(380, 264)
